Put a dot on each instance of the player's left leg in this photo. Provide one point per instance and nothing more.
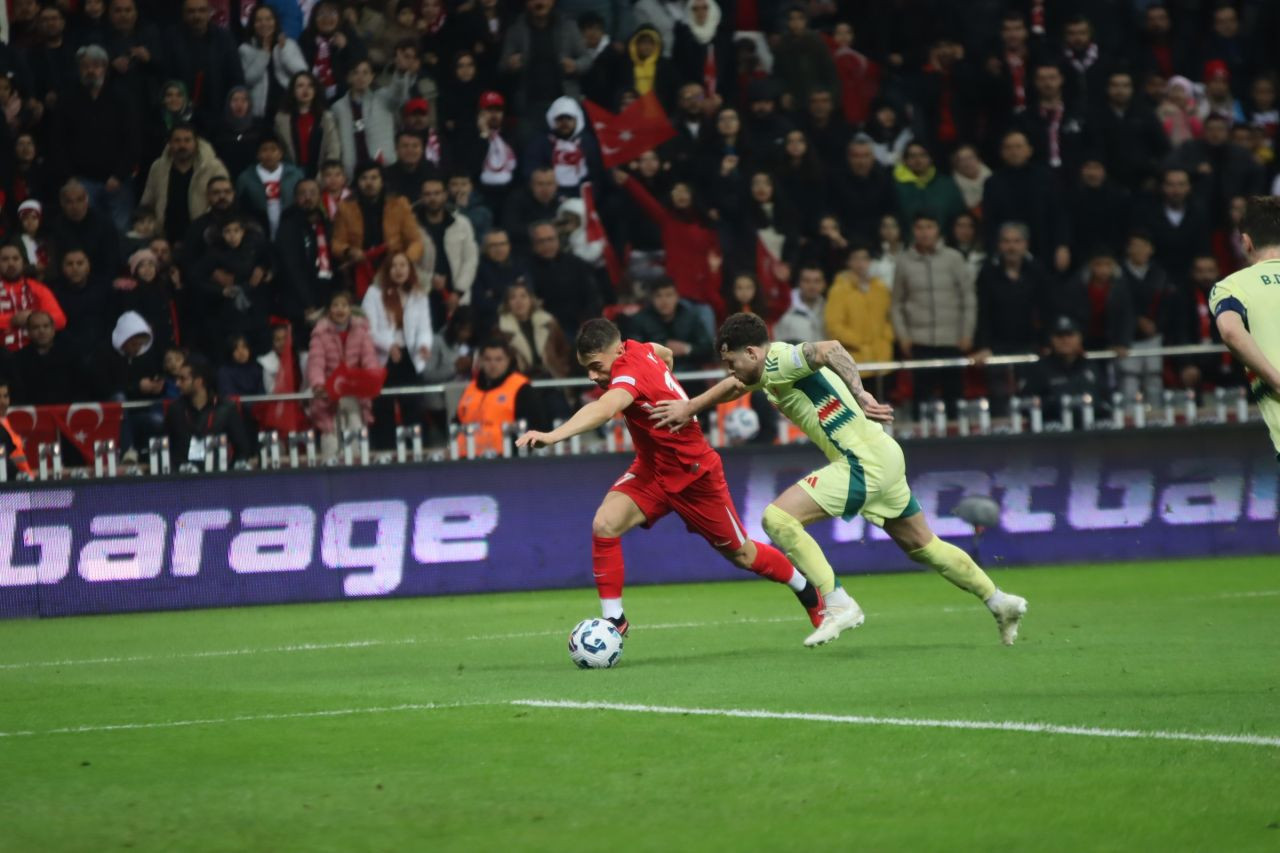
(921, 544)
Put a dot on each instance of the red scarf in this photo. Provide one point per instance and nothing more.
(709, 71)
(323, 262)
(323, 67)
(306, 124)
(433, 154)
(437, 25)
(1018, 71)
(1054, 117)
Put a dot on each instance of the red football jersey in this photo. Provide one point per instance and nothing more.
(678, 458)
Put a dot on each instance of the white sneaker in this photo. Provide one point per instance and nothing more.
(834, 621)
(1009, 615)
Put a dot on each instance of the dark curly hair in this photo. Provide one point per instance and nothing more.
(741, 331)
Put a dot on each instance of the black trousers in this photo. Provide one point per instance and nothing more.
(412, 407)
(945, 384)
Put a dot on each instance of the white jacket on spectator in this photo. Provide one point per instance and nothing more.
(257, 64)
(461, 250)
(591, 251)
(379, 106)
(416, 331)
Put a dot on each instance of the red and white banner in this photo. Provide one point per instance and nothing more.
(641, 127)
(80, 423)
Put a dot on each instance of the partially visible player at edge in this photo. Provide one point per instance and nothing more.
(817, 387)
(672, 471)
(1246, 307)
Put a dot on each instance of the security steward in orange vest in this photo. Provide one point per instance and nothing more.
(497, 396)
(15, 455)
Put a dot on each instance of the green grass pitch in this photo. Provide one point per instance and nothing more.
(389, 725)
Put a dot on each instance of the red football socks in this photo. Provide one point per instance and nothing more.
(772, 564)
(607, 566)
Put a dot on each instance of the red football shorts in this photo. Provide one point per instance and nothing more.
(705, 504)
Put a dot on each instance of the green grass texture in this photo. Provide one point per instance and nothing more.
(390, 724)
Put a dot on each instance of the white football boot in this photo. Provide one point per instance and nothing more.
(1009, 613)
(834, 621)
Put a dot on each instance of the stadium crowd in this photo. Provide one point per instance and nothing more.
(205, 199)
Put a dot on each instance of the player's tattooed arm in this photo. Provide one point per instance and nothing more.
(677, 413)
(832, 354)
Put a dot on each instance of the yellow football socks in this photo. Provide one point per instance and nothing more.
(801, 549)
(954, 565)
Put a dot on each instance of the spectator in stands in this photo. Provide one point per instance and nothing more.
(668, 321)
(32, 177)
(451, 361)
(206, 229)
(703, 50)
(366, 120)
(970, 175)
(269, 60)
(682, 152)
(456, 253)
(240, 375)
(565, 148)
(52, 62)
(563, 282)
(765, 127)
(496, 399)
(418, 120)
(1066, 372)
(203, 56)
(399, 311)
(802, 61)
(36, 250)
(1084, 66)
(742, 293)
(1154, 302)
(922, 188)
(1222, 169)
(136, 54)
(802, 177)
(144, 292)
(459, 103)
(496, 272)
(200, 413)
(527, 205)
(85, 298)
(1127, 134)
(46, 369)
(15, 455)
(304, 267)
(1098, 209)
(1007, 71)
(1024, 191)
(1015, 293)
(943, 93)
(264, 188)
(96, 134)
(966, 240)
(1179, 229)
(231, 280)
(935, 309)
(80, 226)
(805, 320)
(331, 48)
(333, 187)
(305, 127)
(690, 245)
(130, 368)
(1178, 112)
(863, 192)
(178, 182)
(1226, 47)
(375, 224)
(884, 263)
(405, 176)
(339, 338)
(1195, 325)
(466, 201)
(1098, 299)
(858, 310)
(485, 154)
(860, 76)
(645, 69)
(533, 336)
(888, 131)
(236, 142)
(544, 55)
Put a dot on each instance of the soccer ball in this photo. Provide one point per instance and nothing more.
(595, 644)
(741, 425)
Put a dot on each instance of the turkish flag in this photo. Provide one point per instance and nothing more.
(85, 423)
(641, 127)
(359, 382)
(595, 231)
(36, 425)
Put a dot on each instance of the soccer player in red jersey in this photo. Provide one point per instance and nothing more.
(672, 472)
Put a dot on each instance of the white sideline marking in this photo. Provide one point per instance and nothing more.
(1260, 593)
(909, 722)
(244, 718)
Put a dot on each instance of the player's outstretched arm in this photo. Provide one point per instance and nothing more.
(832, 354)
(1244, 347)
(677, 413)
(589, 417)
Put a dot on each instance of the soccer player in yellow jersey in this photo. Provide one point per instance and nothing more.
(1246, 307)
(817, 387)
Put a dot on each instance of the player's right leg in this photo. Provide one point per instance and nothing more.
(921, 544)
(823, 494)
(616, 514)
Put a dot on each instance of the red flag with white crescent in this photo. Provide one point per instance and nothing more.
(641, 127)
(359, 382)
